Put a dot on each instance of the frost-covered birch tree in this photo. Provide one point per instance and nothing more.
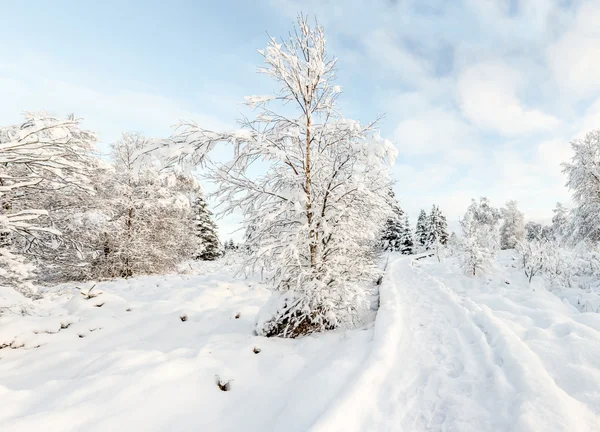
(312, 183)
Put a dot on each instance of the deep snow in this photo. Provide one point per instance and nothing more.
(454, 353)
(145, 369)
(447, 353)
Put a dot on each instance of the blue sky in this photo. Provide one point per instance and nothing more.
(481, 96)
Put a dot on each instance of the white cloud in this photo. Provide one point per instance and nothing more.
(575, 57)
(436, 131)
(487, 95)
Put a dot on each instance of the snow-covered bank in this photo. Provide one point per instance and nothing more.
(125, 361)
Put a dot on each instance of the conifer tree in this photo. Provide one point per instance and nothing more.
(206, 230)
(391, 239)
(406, 241)
(437, 228)
(421, 232)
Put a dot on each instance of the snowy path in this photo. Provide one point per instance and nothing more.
(442, 362)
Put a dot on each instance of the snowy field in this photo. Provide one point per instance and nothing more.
(446, 353)
(125, 360)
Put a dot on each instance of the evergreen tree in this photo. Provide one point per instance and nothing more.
(391, 240)
(437, 228)
(406, 241)
(230, 245)
(421, 232)
(206, 230)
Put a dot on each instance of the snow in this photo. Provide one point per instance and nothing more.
(134, 365)
(447, 352)
(453, 353)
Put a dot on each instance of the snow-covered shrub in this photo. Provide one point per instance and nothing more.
(534, 257)
(320, 200)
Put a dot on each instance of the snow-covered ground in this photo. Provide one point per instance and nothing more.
(447, 353)
(454, 353)
(125, 361)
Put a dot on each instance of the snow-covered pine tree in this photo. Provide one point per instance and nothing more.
(512, 230)
(437, 228)
(422, 231)
(320, 201)
(583, 174)
(206, 230)
(406, 240)
(391, 240)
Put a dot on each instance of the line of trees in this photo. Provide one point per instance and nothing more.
(66, 214)
(431, 230)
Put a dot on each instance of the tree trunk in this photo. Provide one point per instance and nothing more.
(307, 189)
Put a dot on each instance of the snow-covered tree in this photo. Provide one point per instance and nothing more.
(206, 231)
(537, 231)
(421, 231)
(406, 240)
(145, 223)
(583, 179)
(560, 222)
(512, 230)
(393, 232)
(39, 158)
(320, 200)
(480, 238)
(249, 244)
(437, 228)
(475, 256)
(230, 246)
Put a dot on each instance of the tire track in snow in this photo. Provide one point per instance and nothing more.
(441, 363)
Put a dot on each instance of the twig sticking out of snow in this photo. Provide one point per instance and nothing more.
(89, 294)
